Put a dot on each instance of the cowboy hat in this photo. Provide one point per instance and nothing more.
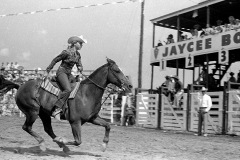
(75, 39)
(204, 89)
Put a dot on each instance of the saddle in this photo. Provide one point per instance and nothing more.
(54, 88)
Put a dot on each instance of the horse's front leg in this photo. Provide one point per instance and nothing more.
(101, 122)
(76, 130)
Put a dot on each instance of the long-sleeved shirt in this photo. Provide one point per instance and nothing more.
(205, 101)
(69, 58)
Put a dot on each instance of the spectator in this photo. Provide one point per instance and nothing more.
(181, 36)
(159, 43)
(202, 79)
(232, 22)
(171, 90)
(195, 30)
(16, 65)
(205, 104)
(178, 88)
(237, 26)
(7, 66)
(232, 78)
(166, 85)
(238, 77)
(227, 27)
(219, 28)
(170, 39)
(208, 30)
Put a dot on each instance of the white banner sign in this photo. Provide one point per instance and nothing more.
(208, 44)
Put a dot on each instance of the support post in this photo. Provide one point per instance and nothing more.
(152, 77)
(141, 46)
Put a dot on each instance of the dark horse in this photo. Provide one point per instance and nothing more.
(6, 85)
(34, 101)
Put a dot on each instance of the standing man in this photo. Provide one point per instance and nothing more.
(178, 88)
(205, 104)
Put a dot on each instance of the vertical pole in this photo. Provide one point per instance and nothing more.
(207, 59)
(183, 77)
(152, 77)
(193, 75)
(159, 107)
(153, 44)
(225, 108)
(188, 106)
(153, 40)
(176, 66)
(141, 46)
(178, 28)
(208, 16)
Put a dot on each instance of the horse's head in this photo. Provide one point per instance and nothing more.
(116, 76)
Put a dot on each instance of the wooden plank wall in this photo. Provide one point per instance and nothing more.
(172, 117)
(147, 110)
(233, 113)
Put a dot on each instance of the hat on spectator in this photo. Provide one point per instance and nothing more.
(204, 89)
(170, 36)
(196, 26)
(175, 77)
(75, 39)
(219, 21)
(167, 77)
(231, 73)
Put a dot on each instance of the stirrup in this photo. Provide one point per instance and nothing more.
(56, 112)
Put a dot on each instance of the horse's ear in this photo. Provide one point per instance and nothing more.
(110, 61)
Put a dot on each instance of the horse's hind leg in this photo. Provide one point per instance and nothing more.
(30, 119)
(47, 124)
(101, 122)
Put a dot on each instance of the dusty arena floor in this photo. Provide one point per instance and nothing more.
(126, 143)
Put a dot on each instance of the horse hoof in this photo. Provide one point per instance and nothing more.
(66, 149)
(42, 147)
(104, 147)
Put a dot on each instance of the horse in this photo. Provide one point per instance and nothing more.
(34, 101)
(6, 85)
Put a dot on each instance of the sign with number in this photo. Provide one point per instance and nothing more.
(189, 61)
(223, 56)
(163, 65)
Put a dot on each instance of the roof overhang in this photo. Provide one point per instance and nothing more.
(219, 9)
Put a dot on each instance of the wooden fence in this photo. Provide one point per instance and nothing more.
(233, 112)
(173, 117)
(184, 118)
(147, 110)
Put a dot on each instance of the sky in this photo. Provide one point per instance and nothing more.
(112, 31)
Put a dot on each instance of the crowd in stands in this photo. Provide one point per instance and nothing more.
(197, 31)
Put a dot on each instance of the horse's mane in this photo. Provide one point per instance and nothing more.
(95, 72)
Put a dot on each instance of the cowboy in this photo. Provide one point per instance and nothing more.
(205, 104)
(178, 91)
(69, 58)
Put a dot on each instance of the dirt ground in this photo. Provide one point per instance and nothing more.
(126, 143)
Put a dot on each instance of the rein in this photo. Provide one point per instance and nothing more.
(110, 93)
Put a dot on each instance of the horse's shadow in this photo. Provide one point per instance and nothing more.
(37, 152)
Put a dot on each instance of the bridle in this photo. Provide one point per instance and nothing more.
(115, 76)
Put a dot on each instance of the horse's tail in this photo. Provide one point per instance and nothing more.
(7, 85)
